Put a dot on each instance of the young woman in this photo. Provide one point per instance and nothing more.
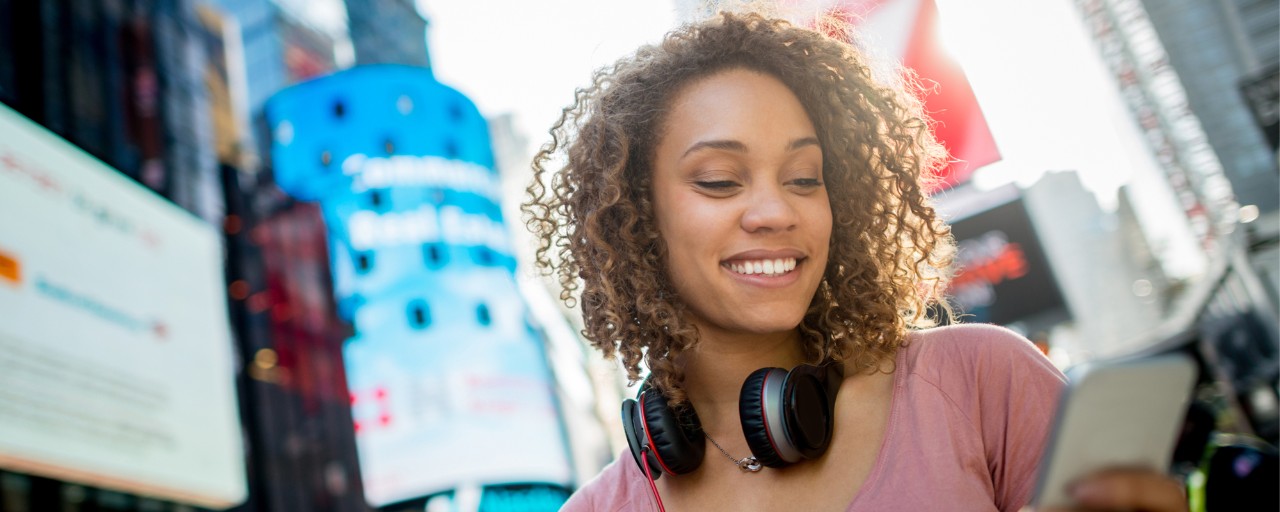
(746, 196)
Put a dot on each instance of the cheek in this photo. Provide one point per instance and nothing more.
(690, 220)
(691, 231)
(682, 238)
(674, 239)
(823, 224)
(822, 216)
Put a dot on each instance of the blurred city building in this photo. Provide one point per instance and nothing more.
(1102, 261)
(1153, 286)
(308, 52)
(121, 79)
(1200, 79)
(278, 48)
(590, 399)
(388, 32)
(1218, 48)
(295, 405)
(1150, 87)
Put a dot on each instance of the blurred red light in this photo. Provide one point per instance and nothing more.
(232, 224)
(239, 289)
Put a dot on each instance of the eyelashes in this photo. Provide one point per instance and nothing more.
(722, 188)
(719, 185)
(724, 185)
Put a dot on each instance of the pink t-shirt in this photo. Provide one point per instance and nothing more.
(971, 412)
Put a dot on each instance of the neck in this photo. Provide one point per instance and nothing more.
(715, 370)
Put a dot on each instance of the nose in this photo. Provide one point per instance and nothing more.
(769, 209)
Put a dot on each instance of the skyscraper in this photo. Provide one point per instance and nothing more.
(388, 32)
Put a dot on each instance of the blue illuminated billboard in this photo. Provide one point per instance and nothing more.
(449, 384)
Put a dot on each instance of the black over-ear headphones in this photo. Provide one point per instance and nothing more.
(786, 416)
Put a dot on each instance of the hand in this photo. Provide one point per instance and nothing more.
(1126, 489)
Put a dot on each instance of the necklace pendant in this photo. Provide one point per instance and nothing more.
(749, 464)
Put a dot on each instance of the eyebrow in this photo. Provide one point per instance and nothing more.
(739, 147)
(802, 142)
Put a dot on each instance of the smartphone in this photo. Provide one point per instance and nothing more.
(1123, 413)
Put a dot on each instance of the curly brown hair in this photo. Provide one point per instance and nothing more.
(594, 218)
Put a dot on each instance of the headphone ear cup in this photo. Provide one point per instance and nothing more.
(637, 440)
(808, 406)
(760, 425)
(676, 441)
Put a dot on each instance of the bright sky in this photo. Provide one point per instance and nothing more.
(1045, 94)
(528, 57)
(1032, 70)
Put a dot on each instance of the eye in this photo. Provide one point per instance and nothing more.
(717, 185)
(806, 183)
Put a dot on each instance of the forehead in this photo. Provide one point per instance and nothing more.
(735, 104)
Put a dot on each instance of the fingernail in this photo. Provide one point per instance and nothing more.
(1089, 491)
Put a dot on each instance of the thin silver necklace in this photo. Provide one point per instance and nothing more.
(749, 464)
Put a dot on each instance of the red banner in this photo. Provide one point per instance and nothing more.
(908, 29)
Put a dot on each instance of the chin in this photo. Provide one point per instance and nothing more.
(770, 325)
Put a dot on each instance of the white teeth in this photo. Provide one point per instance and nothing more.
(768, 267)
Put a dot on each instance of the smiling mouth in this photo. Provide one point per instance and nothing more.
(771, 267)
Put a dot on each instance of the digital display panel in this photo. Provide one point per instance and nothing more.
(1003, 276)
(449, 383)
(115, 348)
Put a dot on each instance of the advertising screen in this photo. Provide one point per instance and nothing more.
(449, 384)
(1003, 275)
(115, 348)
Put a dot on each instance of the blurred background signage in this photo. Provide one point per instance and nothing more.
(1003, 274)
(449, 385)
(115, 349)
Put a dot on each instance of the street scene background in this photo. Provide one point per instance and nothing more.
(267, 255)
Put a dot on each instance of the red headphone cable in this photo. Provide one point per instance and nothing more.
(644, 457)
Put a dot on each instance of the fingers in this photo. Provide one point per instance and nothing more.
(1130, 490)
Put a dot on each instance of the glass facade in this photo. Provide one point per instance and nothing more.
(388, 32)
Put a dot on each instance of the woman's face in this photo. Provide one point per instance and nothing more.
(740, 203)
